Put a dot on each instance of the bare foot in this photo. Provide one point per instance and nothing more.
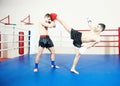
(52, 66)
(74, 71)
(35, 69)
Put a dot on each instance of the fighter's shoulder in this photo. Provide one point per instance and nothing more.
(92, 28)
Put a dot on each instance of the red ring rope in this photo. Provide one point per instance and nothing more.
(114, 35)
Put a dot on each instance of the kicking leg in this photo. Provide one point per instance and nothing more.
(64, 24)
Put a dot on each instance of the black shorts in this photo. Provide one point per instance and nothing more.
(45, 41)
(76, 36)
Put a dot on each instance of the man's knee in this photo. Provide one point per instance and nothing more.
(78, 55)
(52, 53)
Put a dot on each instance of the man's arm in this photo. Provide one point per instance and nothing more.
(91, 44)
(48, 24)
(90, 23)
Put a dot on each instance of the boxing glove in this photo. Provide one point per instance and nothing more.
(53, 16)
(89, 19)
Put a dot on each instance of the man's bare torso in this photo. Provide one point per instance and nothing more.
(90, 37)
(43, 30)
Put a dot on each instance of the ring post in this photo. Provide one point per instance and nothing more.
(0, 44)
(29, 33)
(119, 40)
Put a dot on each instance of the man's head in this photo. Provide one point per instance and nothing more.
(47, 17)
(100, 27)
(103, 26)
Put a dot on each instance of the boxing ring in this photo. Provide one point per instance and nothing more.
(94, 69)
(14, 41)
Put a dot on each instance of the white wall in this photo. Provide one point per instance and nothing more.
(74, 13)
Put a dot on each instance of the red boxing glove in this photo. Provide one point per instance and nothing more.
(53, 16)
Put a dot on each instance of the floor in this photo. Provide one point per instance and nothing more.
(95, 70)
